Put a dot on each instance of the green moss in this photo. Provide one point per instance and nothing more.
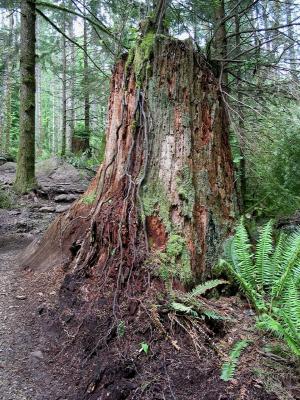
(155, 202)
(186, 191)
(130, 59)
(139, 57)
(89, 198)
(175, 260)
(5, 199)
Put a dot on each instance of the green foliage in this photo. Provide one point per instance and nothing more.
(273, 184)
(89, 198)
(155, 201)
(121, 329)
(175, 260)
(82, 161)
(140, 55)
(201, 289)
(270, 279)
(5, 199)
(229, 367)
(190, 303)
(184, 309)
(144, 348)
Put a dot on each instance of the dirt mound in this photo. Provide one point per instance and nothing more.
(142, 350)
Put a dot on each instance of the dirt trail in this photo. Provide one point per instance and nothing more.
(19, 342)
(26, 369)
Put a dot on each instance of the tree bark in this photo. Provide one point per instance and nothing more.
(39, 134)
(292, 52)
(25, 176)
(241, 127)
(163, 197)
(72, 77)
(220, 40)
(85, 144)
(64, 92)
(8, 85)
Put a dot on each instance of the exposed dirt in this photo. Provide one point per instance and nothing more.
(66, 336)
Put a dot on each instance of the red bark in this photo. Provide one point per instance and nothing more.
(167, 134)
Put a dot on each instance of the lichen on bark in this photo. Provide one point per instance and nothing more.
(166, 183)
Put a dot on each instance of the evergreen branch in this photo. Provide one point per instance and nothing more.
(99, 24)
(72, 41)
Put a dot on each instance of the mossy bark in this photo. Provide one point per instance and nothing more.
(165, 187)
(25, 176)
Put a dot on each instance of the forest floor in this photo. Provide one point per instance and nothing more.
(54, 348)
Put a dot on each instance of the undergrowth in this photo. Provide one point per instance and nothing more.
(229, 366)
(5, 200)
(269, 278)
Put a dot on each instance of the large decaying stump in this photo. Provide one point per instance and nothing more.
(158, 210)
(165, 187)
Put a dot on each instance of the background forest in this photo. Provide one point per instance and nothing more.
(252, 45)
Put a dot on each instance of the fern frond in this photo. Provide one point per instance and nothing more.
(182, 308)
(241, 256)
(264, 248)
(297, 275)
(204, 287)
(255, 298)
(229, 367)
(268, 323)
(213, 315)
(290, 261)
(291, 304)
(277, 257)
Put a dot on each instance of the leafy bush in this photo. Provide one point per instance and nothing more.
(273, 160)
(270, 279)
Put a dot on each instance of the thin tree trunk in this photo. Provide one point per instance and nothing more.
(220, 40)
(64, 92)
(39, 139)
(241, 127)
(292, 53)
(25, 176)
(266, 24)
(8, 85)
(71, 114)
(85, 145)
(53, 142)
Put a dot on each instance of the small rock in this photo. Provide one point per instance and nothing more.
(47, 209)
(14, 212)
(65, 198)
(21, 297)
(61, 209)
(37, 354)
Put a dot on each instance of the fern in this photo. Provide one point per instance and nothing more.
(291, 255)
(204, 287)
(263, 266)
(229, 367)
(241, 256)
(182, 308)
(268, 323)
(272, 283)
